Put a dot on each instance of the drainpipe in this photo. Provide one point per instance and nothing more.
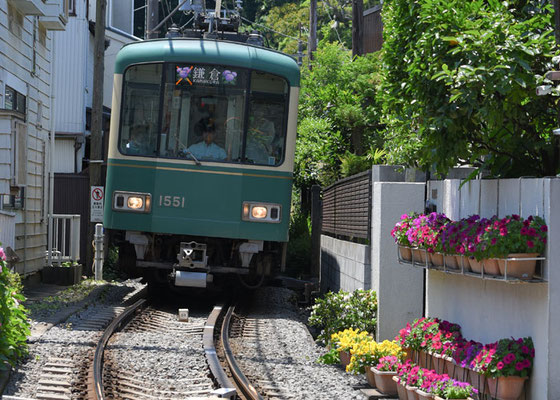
(51, 158)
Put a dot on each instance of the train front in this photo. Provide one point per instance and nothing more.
(200, 162)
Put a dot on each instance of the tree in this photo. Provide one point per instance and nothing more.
(338, 112)
(459, 83)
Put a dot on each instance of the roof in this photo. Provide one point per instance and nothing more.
(211, 52)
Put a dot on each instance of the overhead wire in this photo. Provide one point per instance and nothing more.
(336, 30)
(270, 29)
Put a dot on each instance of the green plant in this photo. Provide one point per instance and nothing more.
(68, 264)
(14, 327)
(330, 357)
(459, 83)
(335, 312)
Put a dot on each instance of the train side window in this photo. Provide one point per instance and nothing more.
(140, 110)
(266, 132)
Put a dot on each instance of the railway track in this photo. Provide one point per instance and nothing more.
(138, 330)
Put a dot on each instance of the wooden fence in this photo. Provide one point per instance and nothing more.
(347, 207)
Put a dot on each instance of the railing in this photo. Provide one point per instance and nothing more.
(347, 207)
(64, 239)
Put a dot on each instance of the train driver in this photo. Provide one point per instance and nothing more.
(207, 149)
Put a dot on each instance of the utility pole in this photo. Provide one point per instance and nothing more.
(96, 156)
(357, 28)
(152, 19)
(312, 44)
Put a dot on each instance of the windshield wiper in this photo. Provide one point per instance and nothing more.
(188, 153)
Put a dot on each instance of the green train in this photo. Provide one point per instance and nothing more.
(200, 164)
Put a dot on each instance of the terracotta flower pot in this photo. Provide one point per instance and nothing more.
(450, 261)
(522, 269)
(423, 359)
(424, 395)
(441, 398)
(477, 380)
(384, 381)
(506, 387)
(476, 266)
(449, 366)
(462, 262)
(401, 390)
(490, 266)
(411, 392)
(438, 363)
(408, 353)
(370, 377)
(460, 373)
(405, 252)
(419, 256)
(344, 357)
(436, 259)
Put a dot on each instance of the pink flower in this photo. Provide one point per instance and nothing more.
(525, 349)
(500, 365)
(519, 366)
(2, 254)
(509, 358)
(530, 244)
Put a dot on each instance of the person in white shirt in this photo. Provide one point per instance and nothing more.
(207, 149)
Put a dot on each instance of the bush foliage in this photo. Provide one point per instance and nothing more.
(14, 327)
(335, 312)
(459, 82)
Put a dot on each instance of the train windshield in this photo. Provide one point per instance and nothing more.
(204, 113)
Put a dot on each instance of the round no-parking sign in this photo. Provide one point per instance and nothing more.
(97, 194)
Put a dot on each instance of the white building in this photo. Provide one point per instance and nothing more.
(30, 93)
(74, 49)
(26, 32)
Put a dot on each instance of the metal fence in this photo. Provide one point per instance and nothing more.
(347, 207)
(64, 239)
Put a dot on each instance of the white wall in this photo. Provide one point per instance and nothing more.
(489, 310)
(399, 287)
(63, 160)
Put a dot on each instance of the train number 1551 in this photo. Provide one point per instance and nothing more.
(172, 201)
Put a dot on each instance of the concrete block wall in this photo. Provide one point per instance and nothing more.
(344, 265)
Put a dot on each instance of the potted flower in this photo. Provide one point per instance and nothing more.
(514, 238)
(366, 354)
(345, 340)
(384, 372)
(453, 238)
(429, 237)
(399, 234)
(510, 367)
(403, 370)
(453, 389)
(427, 379)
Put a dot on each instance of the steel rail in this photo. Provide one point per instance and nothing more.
(117, 324)
(210, 350)
(242, 382)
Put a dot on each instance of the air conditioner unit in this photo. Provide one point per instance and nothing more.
(29, 7)
(55, 16)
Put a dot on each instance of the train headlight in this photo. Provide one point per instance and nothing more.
(261, 212)
(132, 201)
(135, 202)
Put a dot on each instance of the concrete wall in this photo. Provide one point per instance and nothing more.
(490, 310)
(344, 265)
(399, 287)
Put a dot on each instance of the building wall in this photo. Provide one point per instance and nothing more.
(26, 61)
(72, 55)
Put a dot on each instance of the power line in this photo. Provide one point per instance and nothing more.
(270, 29)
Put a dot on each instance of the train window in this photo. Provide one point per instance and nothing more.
(266, 133)
(140, 110)
(203, 110)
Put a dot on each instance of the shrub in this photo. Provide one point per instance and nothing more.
(335, 312)
(14, 327)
